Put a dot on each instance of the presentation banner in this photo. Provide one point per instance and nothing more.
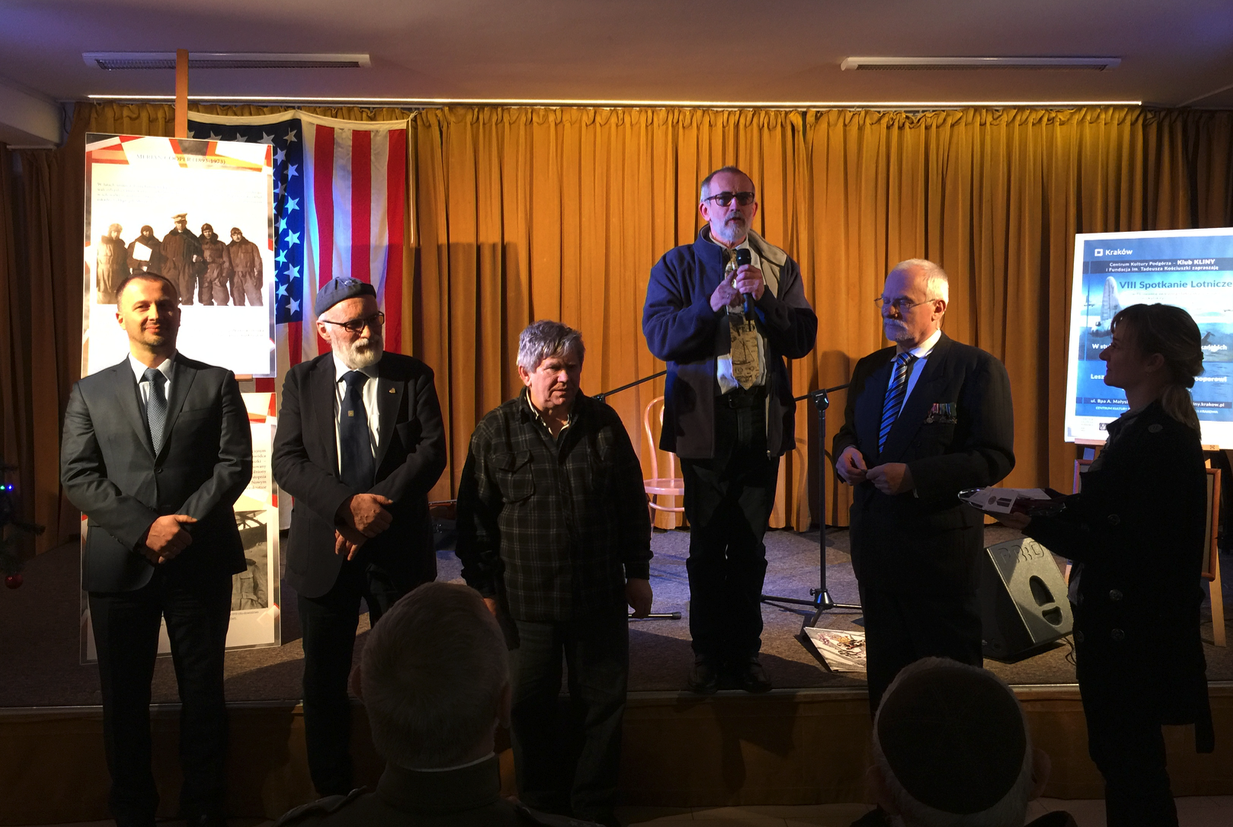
(1192, 269)
(200, 213)
(255, 616)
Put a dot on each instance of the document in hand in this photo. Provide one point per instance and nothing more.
(1012, 500)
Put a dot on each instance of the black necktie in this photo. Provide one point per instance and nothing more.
(355, 447)
(156, 406)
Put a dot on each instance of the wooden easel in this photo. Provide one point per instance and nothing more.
(1211, 568)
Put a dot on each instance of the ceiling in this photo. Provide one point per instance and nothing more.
(783, 52)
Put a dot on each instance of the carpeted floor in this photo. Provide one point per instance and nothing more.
(39, 631)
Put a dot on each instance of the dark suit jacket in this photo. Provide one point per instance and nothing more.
(927, 539)
(410, 458)
(109, 471)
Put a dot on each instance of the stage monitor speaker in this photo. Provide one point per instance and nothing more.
(1023, 604)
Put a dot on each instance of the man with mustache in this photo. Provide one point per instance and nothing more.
(926, 418)
(360, 443)
(182, 262)
(724, 328)
(553, 531)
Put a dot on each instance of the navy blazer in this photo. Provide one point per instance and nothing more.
(409, 460)
(110, 471)
(955, 431)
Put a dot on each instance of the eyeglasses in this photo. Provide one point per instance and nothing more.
(725, 198)
(357, 325)
(899, 305)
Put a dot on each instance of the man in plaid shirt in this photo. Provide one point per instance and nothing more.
(554, 532)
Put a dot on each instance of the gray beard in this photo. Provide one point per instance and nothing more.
(361, 353)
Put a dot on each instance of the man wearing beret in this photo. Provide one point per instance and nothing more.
(360, 443)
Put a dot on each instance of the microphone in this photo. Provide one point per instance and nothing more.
(743, 257)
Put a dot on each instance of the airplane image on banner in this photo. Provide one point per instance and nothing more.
(1110, 306)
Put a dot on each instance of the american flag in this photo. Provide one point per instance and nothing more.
(340, 197)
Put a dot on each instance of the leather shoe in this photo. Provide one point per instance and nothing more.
(704, 677)
(751, 677)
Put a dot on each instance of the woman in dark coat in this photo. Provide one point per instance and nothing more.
(1136, 535)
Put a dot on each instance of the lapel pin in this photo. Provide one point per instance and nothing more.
(392, 390)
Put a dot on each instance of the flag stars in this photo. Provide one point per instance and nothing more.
(291, 171)
(292, 204)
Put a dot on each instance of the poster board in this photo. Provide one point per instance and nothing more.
(136, 181)
(1192, 269)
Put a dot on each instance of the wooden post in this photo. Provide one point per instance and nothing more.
(1211, 572)
(181, 93)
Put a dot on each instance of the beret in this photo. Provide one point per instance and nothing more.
(341, 289)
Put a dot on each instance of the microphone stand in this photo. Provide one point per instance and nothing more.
(601, 397)
(820, 597)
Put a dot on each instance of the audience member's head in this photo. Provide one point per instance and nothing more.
(435, 678)
(951, 747)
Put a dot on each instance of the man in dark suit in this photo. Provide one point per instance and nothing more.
(360, 443)
(925, 419)
(156, 450)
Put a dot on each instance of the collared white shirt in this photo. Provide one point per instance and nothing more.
(921, 352)
(139, 371)
(371, 409)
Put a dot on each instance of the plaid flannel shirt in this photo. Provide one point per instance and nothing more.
(553, 527)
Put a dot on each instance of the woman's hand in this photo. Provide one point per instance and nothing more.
(1014, 520)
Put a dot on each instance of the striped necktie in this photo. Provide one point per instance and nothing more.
(894, 394)
(156, 406)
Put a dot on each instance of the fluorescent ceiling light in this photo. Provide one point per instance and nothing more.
(969, 63)
(224, 60)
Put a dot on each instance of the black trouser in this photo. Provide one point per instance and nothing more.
(903, 627)
(1124, 736)
(126, 628)
(328, 624)
(728, 502)
(570, 766)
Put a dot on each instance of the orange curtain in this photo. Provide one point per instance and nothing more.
(560, 213)
(41, 221)
(526, 213)
(996, 197)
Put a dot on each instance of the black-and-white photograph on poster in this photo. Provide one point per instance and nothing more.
(199, 213)
(254, 591)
